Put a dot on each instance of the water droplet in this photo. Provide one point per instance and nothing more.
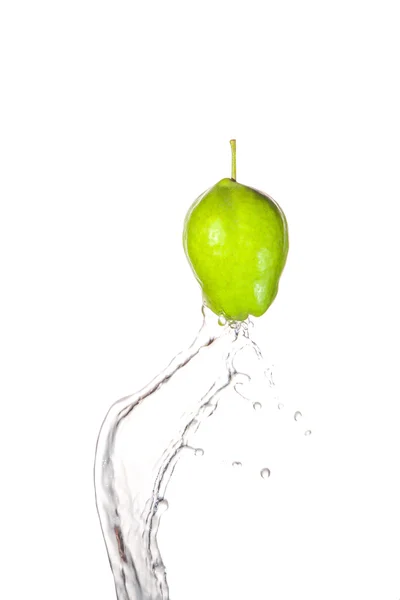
(222, 320)
(265, 473)
(241, 378)
(199, 452)
(308, 432)
(280, 405)
(257, 405)
(297, 415)
(236, 464)
(162, 506)
(270, 376)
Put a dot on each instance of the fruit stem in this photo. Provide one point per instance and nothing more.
(233, 148)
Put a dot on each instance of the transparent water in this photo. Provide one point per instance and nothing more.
(144, 436)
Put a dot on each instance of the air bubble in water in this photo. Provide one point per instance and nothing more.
(162, 506)
(159, 569)
(236, 464)
(199, 452)
(265, 473)
(308, 432)
(257, 405)
(297, 415)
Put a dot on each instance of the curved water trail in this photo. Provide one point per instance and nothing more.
(140, 442)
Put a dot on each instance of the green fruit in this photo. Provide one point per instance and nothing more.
(236, 241)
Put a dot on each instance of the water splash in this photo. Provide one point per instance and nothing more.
(132, 470)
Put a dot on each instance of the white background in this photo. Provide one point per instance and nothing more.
(115, 116)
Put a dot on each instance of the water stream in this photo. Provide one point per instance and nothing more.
(143, 437)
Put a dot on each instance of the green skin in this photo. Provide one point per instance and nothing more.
(236, 241)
